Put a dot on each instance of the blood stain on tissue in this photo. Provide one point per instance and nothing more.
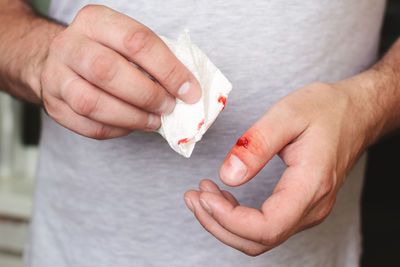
(183, 141)
(222, 100)
(243, 141)
(200, 125)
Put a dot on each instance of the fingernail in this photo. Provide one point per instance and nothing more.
(189, 203)
(153, 122)
(234, 171)
(205, 206)
(167, 106)
(189, 93)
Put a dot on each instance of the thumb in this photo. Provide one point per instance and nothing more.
(259, 144)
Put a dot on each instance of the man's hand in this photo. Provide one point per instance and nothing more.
(89, 85)
(83, 74)
(319, 131)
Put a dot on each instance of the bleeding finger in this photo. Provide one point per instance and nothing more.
(258, 145)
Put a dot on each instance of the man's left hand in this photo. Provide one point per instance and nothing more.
(319, 131)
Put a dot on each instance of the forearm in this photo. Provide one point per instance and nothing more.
(388, 95)
(376, 92)
(24, 42)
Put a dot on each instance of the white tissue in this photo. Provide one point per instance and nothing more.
(187, 124)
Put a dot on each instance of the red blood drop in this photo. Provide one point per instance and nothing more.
(183, 141)
(243, 141)
(222, 100)
(200, 125)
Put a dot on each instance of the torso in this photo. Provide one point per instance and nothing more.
(119, 202)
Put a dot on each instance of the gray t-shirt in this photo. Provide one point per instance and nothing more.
(120, 202)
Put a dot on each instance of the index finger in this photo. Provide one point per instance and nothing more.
(278, 218)
(140, 45)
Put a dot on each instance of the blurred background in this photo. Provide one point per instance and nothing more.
(19, 135)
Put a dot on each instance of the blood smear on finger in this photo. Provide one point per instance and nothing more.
(242, 141)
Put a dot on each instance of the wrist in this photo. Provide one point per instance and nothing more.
(40, 37)
(373, 103)
(24, 39)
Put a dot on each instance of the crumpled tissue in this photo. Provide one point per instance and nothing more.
(187, 124)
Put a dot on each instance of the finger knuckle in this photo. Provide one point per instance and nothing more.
(88, 12)
(138, 41)
(324, 190)
(50, 107)
(326, 177)
(57, 43)
(322, 214)
(150, 98)
(319, 218)
(85, 104)
(172, 75)
(103, 68)
(272, 238)
(101, 132)
(253, 251)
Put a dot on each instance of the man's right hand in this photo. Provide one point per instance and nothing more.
(89, 85)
